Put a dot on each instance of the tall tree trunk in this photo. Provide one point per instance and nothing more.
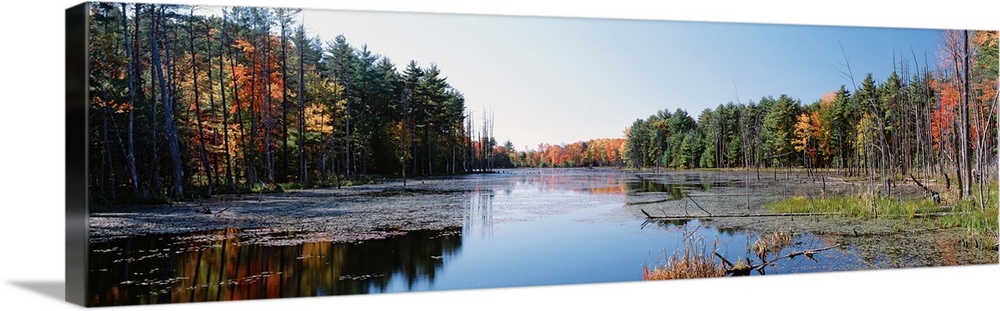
(130, 149)
(284, 102)
(965, 143)
(268, 118)
(413, 148)
(157, 181)
(168, 117)
(170, 130)
(225, 108)
(216, 166)
(347, 135)
(303, 170)
(107, 164)
(452, 168)
(252, 153)
(427, 147)
(244, 144)
(197, 105)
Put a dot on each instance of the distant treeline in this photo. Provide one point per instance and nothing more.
(590, 153)
(185, 104)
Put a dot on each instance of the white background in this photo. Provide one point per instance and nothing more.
(32, 173)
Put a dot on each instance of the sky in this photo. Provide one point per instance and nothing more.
(562, 80)
(558, 80)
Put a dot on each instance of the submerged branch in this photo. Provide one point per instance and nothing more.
(743, 269)
(809, 254)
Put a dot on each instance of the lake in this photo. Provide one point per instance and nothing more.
(523, 227)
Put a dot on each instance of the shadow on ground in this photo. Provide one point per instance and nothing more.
(52, 289)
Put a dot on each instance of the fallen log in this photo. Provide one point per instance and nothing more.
(650, 202)
(937, 214)
(677, 217)
(934, 194)
(667, 200)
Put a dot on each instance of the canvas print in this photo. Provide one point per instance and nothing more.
(236, 153)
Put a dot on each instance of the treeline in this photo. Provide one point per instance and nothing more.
(187, 104)
(602, 152)
(941, 122)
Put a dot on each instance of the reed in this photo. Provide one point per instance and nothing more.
(692, 262)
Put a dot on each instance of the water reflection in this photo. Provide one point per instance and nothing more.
(645, 185)
(478, 217)
(220, 265)
(676, 186)
(579, 180)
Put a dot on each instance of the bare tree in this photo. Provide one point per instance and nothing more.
(168, 111)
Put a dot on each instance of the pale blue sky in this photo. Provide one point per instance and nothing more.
(561, 80)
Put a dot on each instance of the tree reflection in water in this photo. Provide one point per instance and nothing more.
(221, 265)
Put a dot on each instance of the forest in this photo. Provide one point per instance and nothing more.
(184, 105)
(938, 123)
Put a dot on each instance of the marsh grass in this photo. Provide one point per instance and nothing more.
(771, 243)
(692, 262)
(854, 206)
(696, 261)
(981, 220)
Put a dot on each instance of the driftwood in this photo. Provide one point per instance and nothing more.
(673, 217)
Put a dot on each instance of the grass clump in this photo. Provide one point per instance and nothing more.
(692, 262)
(771, 243)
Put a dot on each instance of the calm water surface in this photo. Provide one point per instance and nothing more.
(524, 228)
